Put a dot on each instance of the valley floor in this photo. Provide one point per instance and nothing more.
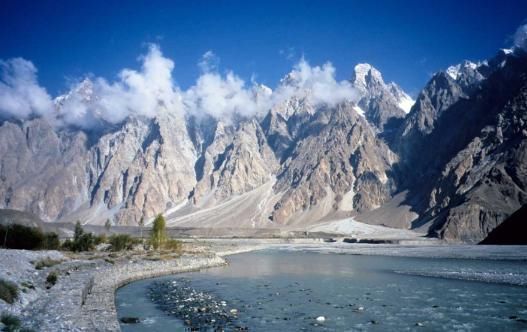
(83, 297)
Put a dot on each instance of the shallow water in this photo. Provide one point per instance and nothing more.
(284, 290)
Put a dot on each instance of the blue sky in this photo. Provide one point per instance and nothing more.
(405, 40)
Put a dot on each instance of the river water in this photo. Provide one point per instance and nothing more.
(277, 290)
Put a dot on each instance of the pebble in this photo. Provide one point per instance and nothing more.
(200, 311)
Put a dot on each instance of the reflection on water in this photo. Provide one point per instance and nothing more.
(280, 290)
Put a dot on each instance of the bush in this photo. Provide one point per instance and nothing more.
(81, 241)
(121, 242)
(85, 242)
(21, 237)
(174, 245)
(16, 236)
(8, 291)
(11, 322)
(67, 245)
(51, 241)
(46, 262)
(52, 278)
(99, 239)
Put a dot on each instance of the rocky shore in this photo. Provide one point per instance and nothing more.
(83, 298)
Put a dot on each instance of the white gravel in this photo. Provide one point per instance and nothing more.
(17, 266)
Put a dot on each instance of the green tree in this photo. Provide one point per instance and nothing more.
(78, 231)
(141, 225)
(81, 241)
(159, 235)
(108, 225)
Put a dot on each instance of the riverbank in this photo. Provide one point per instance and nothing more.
(83, 297)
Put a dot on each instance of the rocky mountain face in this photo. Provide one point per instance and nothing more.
(465, 146)
(459, 154)
(339, 165)
(381, 103)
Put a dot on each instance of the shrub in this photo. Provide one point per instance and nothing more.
(67, 245)
(16, 236)
(46, 262)
(81, 241)
(8, 291)
(121, 242)
(99, 239)
(21, 237)
(174, 245)
(52, 278)
(51, 241)
(12, 323)
(27, 284)
(85, 242)
(158, 236)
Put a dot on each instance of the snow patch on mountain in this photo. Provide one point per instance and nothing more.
(456, 71)
(359, 110)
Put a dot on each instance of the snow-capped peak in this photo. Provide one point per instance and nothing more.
(370, 85)
(83, 91)
(265, 89)
(455, 71)
(364, 72)
(404, 101)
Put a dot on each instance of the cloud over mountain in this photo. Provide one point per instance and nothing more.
(520, 37)
(146, 91)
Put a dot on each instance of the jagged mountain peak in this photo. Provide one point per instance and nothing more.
(457, 70)
(404, 101)
(380, 102)
(84, 91)
(300, 162)
(364, 75)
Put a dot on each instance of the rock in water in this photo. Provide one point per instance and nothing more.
(130, 320)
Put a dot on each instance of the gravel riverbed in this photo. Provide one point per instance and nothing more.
(83, 298)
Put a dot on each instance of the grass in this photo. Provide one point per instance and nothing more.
(120, 242)
(27, 284)
(46, 262)
(8, 291)
(173, 245)
(108, 260)
(12, 323)
(52, 278)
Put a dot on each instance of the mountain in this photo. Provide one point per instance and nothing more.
(464, 145)
(512, 231)
(379, 101)
(452, 163)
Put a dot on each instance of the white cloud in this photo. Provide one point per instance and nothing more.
(223, 96)
(20, 94)
(520, 37)
(316, 83)
(209, 62)
(145, 92)
(220, 96)
(139, 93)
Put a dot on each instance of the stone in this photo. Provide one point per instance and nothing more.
(130, 320)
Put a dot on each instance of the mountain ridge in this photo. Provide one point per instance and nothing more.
(295, 165)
